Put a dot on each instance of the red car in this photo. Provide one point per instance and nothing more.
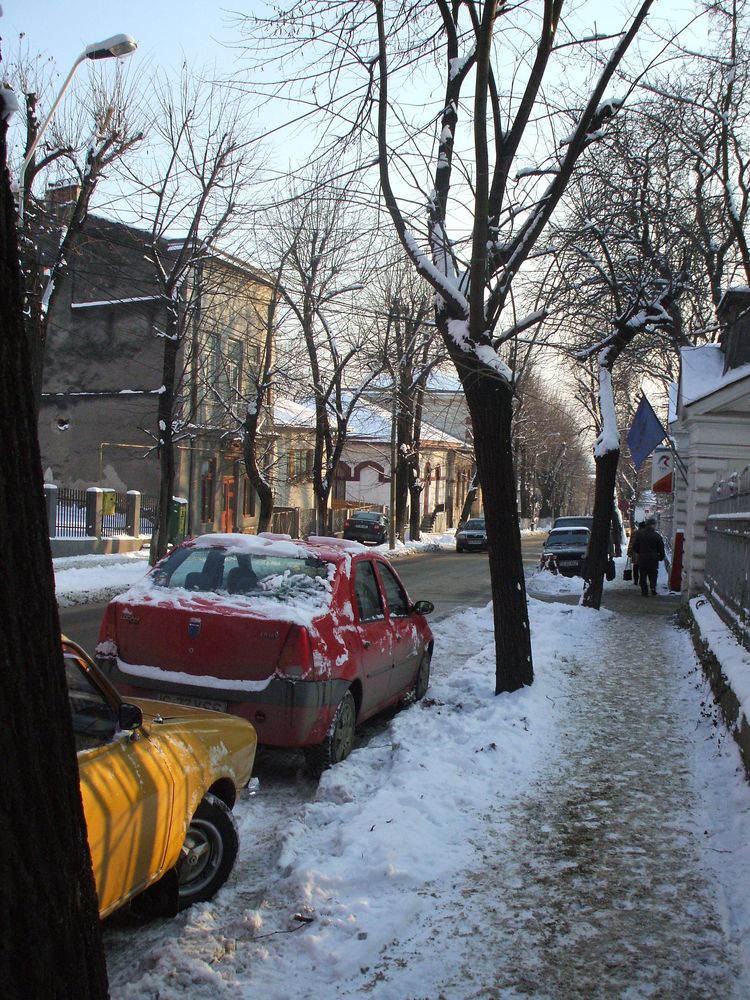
(303, 639)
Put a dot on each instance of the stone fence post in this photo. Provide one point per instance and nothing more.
(133, 513)
(50, 499)
(94, 503)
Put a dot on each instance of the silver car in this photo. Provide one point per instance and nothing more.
(472, 537)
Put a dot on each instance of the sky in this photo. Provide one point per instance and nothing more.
(583, 837)
(167, 31)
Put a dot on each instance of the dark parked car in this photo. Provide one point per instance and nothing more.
(368, 527)
(472, 537)
(564, 550)
(573, 522)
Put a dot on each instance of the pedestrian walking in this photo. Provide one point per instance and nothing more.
(633, 556)
(648, 545)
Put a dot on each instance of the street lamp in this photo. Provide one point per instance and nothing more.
(110, 48)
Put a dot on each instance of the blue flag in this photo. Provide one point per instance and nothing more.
(645, 432)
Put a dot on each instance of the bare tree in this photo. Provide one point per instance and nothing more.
(700, 112)
(623, 272)
(318, 236)
(258, 450)
(472, 297)
(190, 203)
(550, 454)
(476, 186)
(50, 938)
(80, 148)
(405, 349)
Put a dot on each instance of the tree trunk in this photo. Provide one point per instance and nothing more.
(598, 551)
(490, 404)
(166, 442)
(405, 462)
(403, 475)
(469, 500)
(50, 940)
(254, 474)
(415, 510)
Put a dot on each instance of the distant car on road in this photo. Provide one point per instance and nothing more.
(573, 522)
(366, 526)
(564, 550)
(158, 783)
(472, 537)
(303, 639)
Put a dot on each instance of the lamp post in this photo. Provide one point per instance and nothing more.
(110, 48)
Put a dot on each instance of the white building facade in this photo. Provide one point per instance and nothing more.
(710, 427)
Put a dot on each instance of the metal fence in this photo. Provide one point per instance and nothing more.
(149, 513)
(727, 574)
(114, 518)
(98, 513)
(70, 514)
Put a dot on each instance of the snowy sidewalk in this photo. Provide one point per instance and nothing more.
(584, 838)
(600, 873)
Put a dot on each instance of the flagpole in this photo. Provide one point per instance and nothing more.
(679, 464)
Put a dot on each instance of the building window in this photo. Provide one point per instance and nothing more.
(234, 370)
(340, 477)
(300, 464)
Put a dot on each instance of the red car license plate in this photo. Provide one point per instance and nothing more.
(182, 699)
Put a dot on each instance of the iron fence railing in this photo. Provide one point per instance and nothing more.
(149, 515)
(70, 513)
(114, 517)
(727, 572)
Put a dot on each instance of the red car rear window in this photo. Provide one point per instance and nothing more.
(216, 570)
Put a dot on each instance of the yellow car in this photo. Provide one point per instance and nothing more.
(158, 783)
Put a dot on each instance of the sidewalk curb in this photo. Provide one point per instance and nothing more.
(732, 711)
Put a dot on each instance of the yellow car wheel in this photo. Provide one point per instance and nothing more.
(208, 853)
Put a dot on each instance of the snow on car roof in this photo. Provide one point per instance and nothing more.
(266, 543)
(343, 544)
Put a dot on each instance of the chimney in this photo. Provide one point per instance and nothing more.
(734, 319)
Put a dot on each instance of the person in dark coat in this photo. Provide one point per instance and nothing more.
(648, 545)
(632, 556)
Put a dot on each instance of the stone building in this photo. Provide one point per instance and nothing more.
(103, 374)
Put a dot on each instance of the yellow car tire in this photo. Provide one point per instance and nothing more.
(209, 852)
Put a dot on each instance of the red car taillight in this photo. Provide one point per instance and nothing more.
(108, 627)
(347, 522)
(296, 659)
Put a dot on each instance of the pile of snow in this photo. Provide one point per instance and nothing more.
(83, 579)
(734, 658)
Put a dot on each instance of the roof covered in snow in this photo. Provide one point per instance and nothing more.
(702, 372)
(368, 420)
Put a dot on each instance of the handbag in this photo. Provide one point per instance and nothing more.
(627, 573)
(610, 572)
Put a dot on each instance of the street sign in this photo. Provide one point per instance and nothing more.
(662, 468)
